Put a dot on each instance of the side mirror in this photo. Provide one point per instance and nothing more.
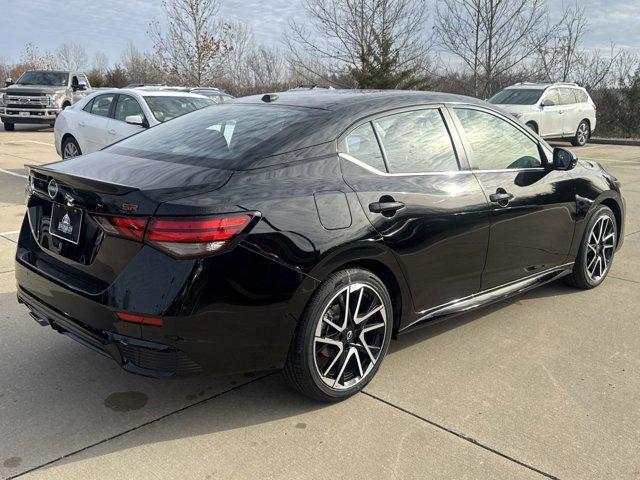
(564, 159)
(135, 120)
(547, 102)
(81, 86)
(8, 82)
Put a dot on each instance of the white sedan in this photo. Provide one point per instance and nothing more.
(108, 116)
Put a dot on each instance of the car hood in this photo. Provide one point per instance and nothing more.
(33, 89)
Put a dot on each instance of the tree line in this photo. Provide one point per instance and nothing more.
(472, 47)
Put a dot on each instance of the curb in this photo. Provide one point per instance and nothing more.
(616, 141)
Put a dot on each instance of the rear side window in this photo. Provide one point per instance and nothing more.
(362, 144)
(567, 97)
(416, 142)
(495, 143)
(101, 105)
(165, 108)
(224, 136)
(581, 96)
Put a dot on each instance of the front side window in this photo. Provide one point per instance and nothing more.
(101, 105)
(416, 142)
(362, 144)
(165, 108)
(497, 144)
(126, 107)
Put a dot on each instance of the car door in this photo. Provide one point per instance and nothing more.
(532, 205)
(571, 111)
(411, 178)
(93, 127)
(118, 128)
(552, 118)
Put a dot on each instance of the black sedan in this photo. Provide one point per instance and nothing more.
(305, 230)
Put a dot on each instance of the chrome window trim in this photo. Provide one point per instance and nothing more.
(368, 167)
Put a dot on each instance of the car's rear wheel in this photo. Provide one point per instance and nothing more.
(596, 251)
(582, 134)
(9, 127)
(342, 336)
(70, 148)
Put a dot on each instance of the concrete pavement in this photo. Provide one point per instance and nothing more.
(545, 385)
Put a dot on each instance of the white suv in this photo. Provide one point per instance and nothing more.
(559, 110)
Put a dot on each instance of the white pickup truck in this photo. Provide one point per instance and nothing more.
(39, 96)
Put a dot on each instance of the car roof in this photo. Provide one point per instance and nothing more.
(150, 93)
(542, 86)
(359, 103)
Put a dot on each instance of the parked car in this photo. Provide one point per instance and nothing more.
(215, 94)
(305, 230)
(554, 111)
(111, 115)
(39, 96)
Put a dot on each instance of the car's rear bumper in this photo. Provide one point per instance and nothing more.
(150, 359)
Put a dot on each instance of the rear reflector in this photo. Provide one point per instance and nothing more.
(126, 227)
(184, 237)
(132, 318)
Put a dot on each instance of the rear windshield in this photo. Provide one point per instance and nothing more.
(223, 136)
(166, 108)
(49, 79)
(517, 96)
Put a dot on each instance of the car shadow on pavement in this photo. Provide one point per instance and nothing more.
(53, 390)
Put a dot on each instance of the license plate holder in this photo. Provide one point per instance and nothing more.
(24, 114)
(65, 223)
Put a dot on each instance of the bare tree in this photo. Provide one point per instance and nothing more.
(71, 56)
(370, 43)
(491, 37)
(194, 41)
(141, 67)
(33, 59)
(593, 68)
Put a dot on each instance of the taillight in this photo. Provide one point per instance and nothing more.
(126, 227)
(181, 237)
(594, 106)
(185, 237)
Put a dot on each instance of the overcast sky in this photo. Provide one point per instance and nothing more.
(108, 25)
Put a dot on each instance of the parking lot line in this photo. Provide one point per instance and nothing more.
(13, 173)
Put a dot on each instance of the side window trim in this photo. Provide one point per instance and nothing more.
(467, 146)
(449, 121)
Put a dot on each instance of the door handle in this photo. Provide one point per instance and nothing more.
(112, 132)
(385, 207)
(501, 197)
(81, 124)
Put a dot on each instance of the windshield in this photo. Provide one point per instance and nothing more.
(165, 108)
(517, 96)
(50, 79)
(223, 135)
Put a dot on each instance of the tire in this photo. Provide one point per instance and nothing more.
(9, 127)
(532, 126)
(583, 133)
(588, 270)
(331, 359)
(65, 105)
(70, 148)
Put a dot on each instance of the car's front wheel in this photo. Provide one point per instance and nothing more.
(596, 251)
(70, 148)
(342, 336)
(582, 134)
(9, 127)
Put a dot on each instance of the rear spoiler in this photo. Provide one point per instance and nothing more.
(81, 183)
